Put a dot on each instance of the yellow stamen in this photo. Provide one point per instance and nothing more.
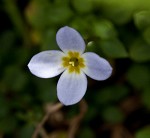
(73, 61)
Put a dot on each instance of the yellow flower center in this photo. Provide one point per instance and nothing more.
(73, 62)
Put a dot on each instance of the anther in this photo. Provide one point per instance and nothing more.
(74, 62)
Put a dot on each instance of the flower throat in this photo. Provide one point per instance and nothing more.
(73, 61)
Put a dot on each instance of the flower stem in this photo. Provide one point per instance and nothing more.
(40, 125)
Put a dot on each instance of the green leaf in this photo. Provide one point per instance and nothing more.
(5, 107)
(140, 51)
(15, 78)
(111, 94)
(112, 114)
(83, 6)
(26, 131)
(104, 29)
(58, 14)
(8, 124)
(142, 20)
(83, 25)
(86, 133)
(138, 76)
(113, 48)
(46, 90)
(36, 13)
(49, 40)
(31, 116)
(118, 11)
(21, 56)
(143, 133)
(91, 113)
(145, 95)
(121, 12)
(146, 35)
(4, 43)
(6, 46)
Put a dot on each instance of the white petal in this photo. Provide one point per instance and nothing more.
(68, 39)
(71, 87)
(46, 64)
(96, 67)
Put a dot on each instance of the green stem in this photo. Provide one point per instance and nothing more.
(15, 16)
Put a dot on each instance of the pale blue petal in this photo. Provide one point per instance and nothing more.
(68, 39)
(71, 87)
(96, 67)
(46, 64)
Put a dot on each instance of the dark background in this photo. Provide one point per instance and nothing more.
(116, 30)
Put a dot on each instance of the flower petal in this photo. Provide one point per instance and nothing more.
(96, 67)
(68, 39)
(71, 87)
(46, 64)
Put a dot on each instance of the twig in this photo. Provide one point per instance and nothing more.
(74, 125)
(1, 135)
(119, 131)
(40, 125)
(43, 133)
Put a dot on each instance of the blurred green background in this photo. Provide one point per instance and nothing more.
(116, 30)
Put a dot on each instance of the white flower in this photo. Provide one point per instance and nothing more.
(73, 63)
